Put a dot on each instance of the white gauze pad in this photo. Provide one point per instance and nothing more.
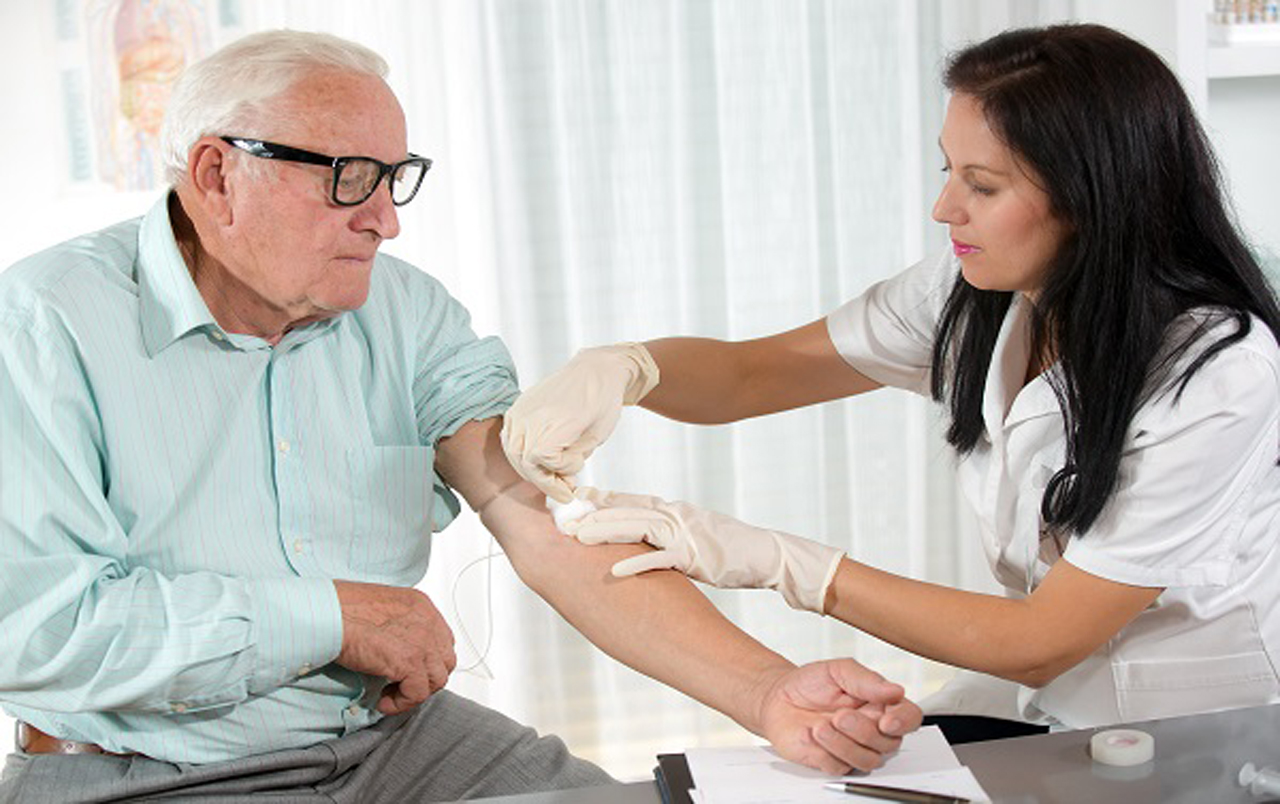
(564, 513)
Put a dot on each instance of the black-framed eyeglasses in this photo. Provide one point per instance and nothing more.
(354, 177)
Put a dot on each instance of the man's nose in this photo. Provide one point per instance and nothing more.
(378, 214)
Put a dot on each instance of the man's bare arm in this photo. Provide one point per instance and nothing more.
(660, 625)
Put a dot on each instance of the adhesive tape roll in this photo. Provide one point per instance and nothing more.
(1122, 747)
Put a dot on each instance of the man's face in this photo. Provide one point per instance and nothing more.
(290, 252)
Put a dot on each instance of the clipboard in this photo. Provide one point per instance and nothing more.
(674, 779)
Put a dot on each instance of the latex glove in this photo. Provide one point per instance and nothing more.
(553, 428)
(709, 547)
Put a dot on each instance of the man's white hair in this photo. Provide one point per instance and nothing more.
(230, 92)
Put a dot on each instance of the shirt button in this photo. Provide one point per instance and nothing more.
(178, 708)
(283, 446)
(218, 336)
(303, 670)
(299, 546)
(353, 710)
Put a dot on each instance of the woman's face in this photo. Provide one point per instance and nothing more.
(1000, 221)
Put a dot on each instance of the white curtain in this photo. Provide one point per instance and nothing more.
(626, 169)
(728, 169)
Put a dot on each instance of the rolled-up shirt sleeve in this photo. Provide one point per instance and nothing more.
(458, 378)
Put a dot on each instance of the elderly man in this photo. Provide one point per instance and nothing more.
(228, 429)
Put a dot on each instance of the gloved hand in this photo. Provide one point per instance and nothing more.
(553, 428)
(707, 546)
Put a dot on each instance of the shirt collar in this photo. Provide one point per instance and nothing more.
(170, 305)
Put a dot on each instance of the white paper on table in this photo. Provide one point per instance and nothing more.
(757, 775)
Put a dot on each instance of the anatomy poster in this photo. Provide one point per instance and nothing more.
(120, 59)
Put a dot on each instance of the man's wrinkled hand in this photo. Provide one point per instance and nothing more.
(398, 634)
(836, 715)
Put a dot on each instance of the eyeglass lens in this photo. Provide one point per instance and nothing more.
(358, 177)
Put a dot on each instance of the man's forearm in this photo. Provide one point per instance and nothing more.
(657, 623)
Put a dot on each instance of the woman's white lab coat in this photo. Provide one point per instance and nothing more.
(1197, 509)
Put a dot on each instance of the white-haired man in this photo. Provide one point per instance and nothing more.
(228, 430)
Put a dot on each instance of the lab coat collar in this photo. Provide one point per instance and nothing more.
(1005, 400)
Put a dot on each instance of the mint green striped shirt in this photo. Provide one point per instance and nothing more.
(175, 499)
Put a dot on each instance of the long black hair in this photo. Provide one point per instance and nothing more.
(1114, 141)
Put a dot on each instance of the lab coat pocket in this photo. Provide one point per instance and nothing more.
(391, 521)
(1171, 687)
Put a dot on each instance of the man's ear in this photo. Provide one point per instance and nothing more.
(207, 176)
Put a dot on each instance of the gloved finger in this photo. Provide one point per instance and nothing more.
(617, 499)
(511, 434)
(562, 461)
(660, 559)
(652, 526)
(559, 488)
(589, 530)
(555, 486)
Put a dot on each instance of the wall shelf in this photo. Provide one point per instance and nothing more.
(1242, 61)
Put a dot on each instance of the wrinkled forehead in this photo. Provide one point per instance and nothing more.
(342, 113)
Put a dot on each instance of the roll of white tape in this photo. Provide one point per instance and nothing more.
(1122, 747)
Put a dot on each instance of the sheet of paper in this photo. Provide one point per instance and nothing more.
(757, 775)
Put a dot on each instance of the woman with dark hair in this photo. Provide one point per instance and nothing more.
(1106, 347)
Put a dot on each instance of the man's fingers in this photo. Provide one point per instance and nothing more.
(400, 697)
(863, 728)
(855, 740)
(900, 718)
(864, 684)
(450, 658)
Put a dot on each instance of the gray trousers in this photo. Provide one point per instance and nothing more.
(447, 749)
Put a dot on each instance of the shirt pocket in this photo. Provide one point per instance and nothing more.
(392, 496)
(1171, 687)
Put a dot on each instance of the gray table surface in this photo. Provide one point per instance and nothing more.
(1197, 761)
